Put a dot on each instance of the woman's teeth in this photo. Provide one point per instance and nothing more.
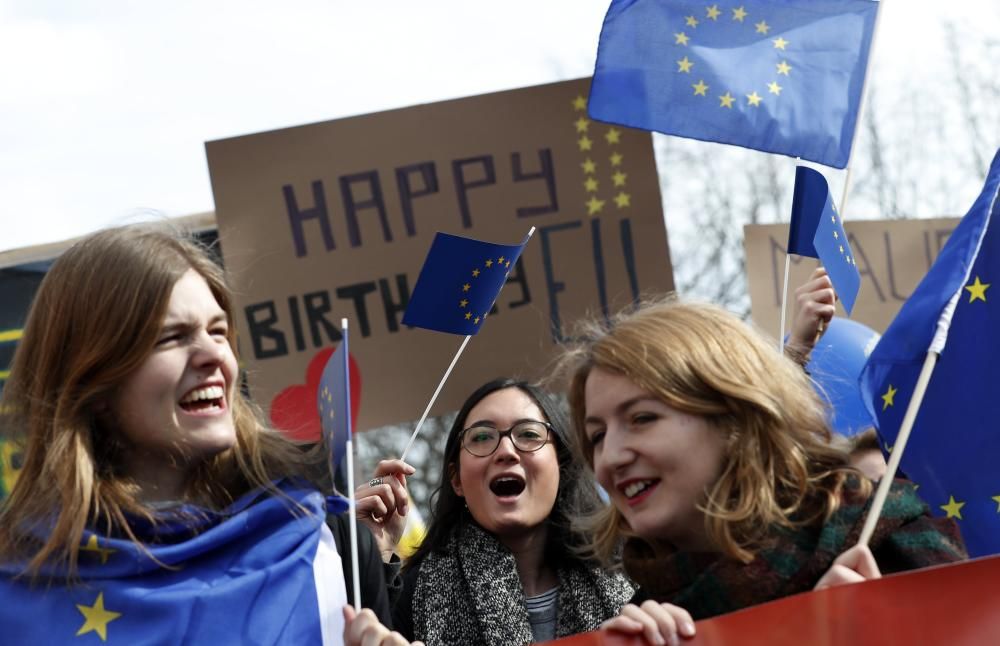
(209, 392)
(635, 488)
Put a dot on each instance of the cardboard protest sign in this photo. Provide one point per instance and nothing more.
(334, 220)
(892, 256)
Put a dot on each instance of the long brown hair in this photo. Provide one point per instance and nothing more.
(779, 468)
(95, 319)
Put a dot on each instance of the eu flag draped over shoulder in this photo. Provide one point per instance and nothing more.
(460, 280)
(817, 230)
(332, 397)
(781, 76)
(954, 446)
(257, 572)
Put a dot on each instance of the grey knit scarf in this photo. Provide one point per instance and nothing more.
(472, 595)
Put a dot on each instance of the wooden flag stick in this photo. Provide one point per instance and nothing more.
(352, 500)
(434, 397)
(897, 450)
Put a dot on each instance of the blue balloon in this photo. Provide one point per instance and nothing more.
(835, 366)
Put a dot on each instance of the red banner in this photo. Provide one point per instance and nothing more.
(954, 604)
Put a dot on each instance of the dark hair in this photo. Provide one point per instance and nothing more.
(577, 493)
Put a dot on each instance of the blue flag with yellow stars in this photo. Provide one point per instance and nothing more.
(332, 397)
(817, 230)
(263, 571)
(782, 76)
(460, 280)
(954, 447)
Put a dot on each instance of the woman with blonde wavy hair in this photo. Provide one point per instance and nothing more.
(716, 455)
(148, 477)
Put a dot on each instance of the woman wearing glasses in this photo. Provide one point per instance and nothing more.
(497, 565)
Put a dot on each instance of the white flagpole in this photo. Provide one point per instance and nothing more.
(897, 450)
(355, 574)
(440, 385)
(784, 304)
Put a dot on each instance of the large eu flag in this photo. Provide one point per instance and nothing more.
(263, 571)
(782, 76)
(460, 280)
(954, 447)
(817, 230)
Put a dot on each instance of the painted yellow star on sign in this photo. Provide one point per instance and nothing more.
(585, 143)
(590, 185)
(619, 178)
(588, 166)
(953, 508)
(623, 199)
(97, 618)
(691, 21)
(582, 124)
(739, 13)
(713, 12)
(726, 100)
(685, 65)
(613, 136)
(773, 87)
(93, 546)
(579, 103)
(594, 205)
(762, 27)
(996, 499)
(887, 397)
(780, 43)
(977, 290)
(616, 159)
(753, 98)
(700, 88)
(784, 68)
(680, 38)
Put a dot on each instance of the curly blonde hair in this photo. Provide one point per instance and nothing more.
(779, 467)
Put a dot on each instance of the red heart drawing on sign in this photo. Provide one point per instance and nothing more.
(294, 411)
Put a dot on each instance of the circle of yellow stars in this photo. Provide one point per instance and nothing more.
(591, 185)
(503, 263)
(713, 13)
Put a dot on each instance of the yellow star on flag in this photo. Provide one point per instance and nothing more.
(691, 21)
(623, 199)
(476, 321)
(489, 263)
(713, 12)
(93, 546)
(475, 273)
(762, 27)
(739, 14)
(97, 618)
(680, 38)
(774, 88)
(784, 68)
(616, 159)
(841, 248)
(836, 235)
(726, 100)
(977, 290)
(613, 135)
(780, 43)
(753, 98)
(582, 124)
(500, 260)
(700, 88)
(953, 508)
(585, 143)
(619, 178)
(588, 166)
(996, 499)
(887, 397)
(590, 185)
(579, 103)
(685, 65)
(466, 287)
(594, 205)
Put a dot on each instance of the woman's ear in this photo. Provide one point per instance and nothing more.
(456, 481)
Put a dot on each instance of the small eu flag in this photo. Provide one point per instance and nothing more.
(954, 445)
(460, 280)
(332, 397)
(782, 76)
(817, 230)
(263, 570)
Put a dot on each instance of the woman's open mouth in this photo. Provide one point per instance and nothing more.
(209, 399)
(507, 486)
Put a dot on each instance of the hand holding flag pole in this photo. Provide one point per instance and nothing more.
(464, 272)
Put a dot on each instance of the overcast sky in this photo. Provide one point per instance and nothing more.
(105, 105)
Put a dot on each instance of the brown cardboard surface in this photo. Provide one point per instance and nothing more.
(336, 218)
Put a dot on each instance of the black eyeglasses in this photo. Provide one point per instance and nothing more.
(528, 436)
